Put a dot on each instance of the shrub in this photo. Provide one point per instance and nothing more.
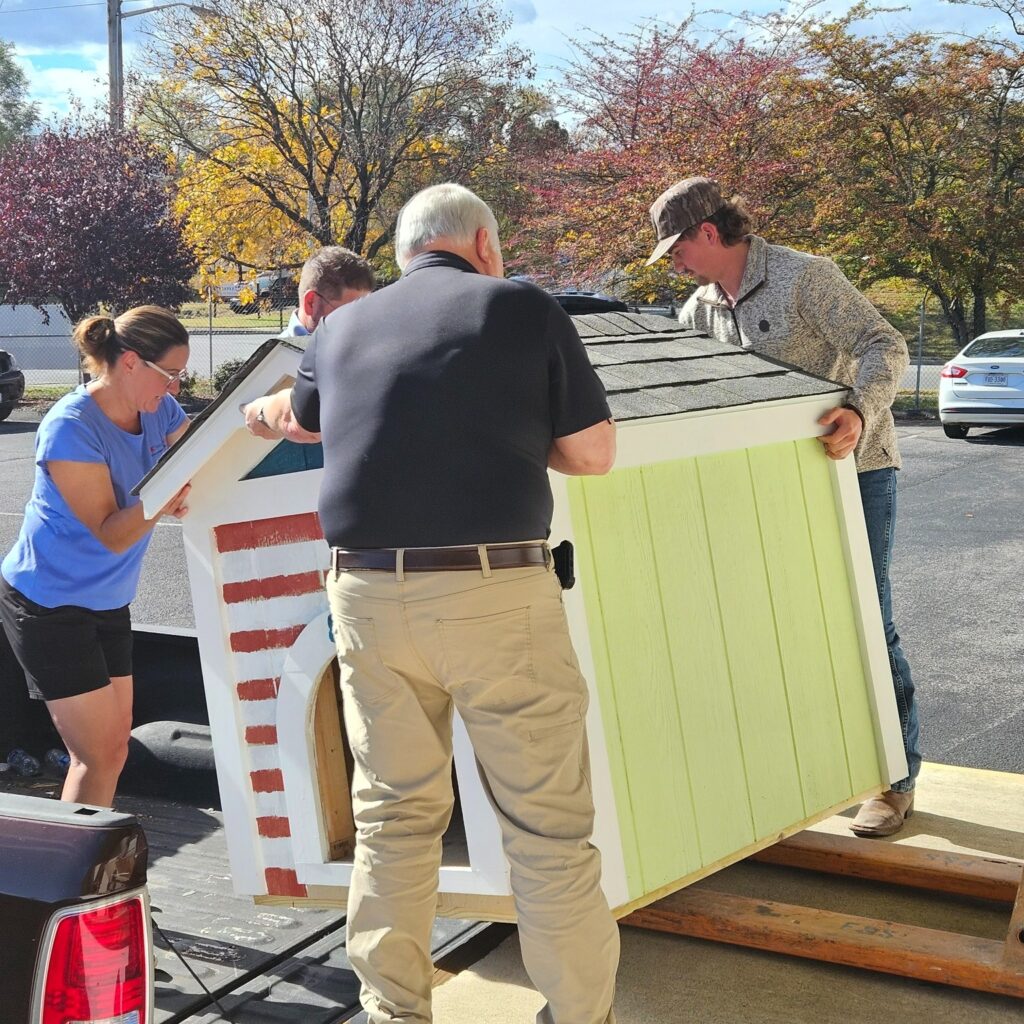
(223, 373)
(187, 386)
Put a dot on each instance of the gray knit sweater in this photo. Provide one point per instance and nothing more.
(800, 309)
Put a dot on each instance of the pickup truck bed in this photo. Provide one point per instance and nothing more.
(263, 964)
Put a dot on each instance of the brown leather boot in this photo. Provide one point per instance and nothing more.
(883, 815)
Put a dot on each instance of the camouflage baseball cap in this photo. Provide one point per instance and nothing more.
(687, 203)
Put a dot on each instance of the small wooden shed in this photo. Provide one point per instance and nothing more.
(725, 617)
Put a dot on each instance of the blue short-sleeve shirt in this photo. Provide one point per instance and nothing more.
(56, 559)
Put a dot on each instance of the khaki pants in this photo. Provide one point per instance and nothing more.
(496, 646)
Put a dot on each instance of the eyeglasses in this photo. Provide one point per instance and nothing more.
(175, 377)
(328, 303)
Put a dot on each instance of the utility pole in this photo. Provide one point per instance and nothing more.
(115, 49)
(920, 356)
(115, 60)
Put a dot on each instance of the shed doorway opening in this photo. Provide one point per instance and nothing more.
(333, 769)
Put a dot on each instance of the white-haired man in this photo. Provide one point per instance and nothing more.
(442, 401)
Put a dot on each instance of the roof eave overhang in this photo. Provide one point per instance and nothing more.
(728, 428)
(274, 359)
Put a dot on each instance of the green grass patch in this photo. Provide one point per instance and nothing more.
(195, 385)
(907, 402)
(900, 303)
(45, 392)
(196, 315)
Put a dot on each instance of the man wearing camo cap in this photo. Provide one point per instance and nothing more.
(802, 310)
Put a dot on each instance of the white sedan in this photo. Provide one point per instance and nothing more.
(984, 385)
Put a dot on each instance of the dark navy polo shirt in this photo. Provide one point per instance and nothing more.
(438, 399)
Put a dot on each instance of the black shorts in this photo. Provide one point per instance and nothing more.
(66, 650)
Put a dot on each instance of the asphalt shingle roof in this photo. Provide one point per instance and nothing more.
(652, 366)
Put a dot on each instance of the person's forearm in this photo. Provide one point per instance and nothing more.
(272, 416)
(124, 528)
(836, 312)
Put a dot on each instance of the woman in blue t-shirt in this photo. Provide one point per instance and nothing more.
(66, 584)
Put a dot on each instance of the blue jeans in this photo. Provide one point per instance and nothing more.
(878, 496)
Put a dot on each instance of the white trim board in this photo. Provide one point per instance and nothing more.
(237, 800)
(607, 832)
(308, 657)
(709, 431)
(872, 633)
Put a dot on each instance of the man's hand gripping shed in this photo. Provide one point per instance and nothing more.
(843, 439)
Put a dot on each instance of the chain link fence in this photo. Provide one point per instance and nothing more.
(40, 339)
(224, 330)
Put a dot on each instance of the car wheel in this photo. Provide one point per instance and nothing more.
(6, 408)
(955, 430)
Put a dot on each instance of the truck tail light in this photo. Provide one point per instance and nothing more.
(956, 372)
(98, 968)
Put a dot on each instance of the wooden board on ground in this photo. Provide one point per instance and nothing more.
(929, 954)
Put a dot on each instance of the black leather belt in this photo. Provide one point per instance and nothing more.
(499, 556)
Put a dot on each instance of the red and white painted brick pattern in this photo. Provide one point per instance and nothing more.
(271, 573)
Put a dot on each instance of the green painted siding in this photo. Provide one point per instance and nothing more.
(726, 651)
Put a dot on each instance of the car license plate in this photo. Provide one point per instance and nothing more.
(996, 379)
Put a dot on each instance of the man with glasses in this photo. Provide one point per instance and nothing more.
(330, 278)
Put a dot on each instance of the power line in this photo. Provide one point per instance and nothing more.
(55, 7)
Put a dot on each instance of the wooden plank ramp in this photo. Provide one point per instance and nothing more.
(987, 878)
(928, 954)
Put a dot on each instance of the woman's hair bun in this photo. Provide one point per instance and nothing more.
(96, 338)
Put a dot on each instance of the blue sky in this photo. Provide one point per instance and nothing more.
(61, 44)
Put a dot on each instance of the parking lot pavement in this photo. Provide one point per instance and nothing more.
(17, 439)
(958, 592)
(957, 586)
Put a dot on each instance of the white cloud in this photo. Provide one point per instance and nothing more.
(87, 51)
(55, 89)
(546, 27)
(58, 78)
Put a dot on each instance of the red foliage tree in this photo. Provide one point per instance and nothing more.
(655, 106)
(85, 221)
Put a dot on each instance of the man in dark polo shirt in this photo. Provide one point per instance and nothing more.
(442, 401)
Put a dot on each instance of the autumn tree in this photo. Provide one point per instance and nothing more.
(522, 130)
(926, 177)
(324, 109)
(654, 106)
(1013, 9)
(228, 222)
(17, 115)
(85, 220)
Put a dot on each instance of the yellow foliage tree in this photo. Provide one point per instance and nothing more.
(323, 116)
(228, 222)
